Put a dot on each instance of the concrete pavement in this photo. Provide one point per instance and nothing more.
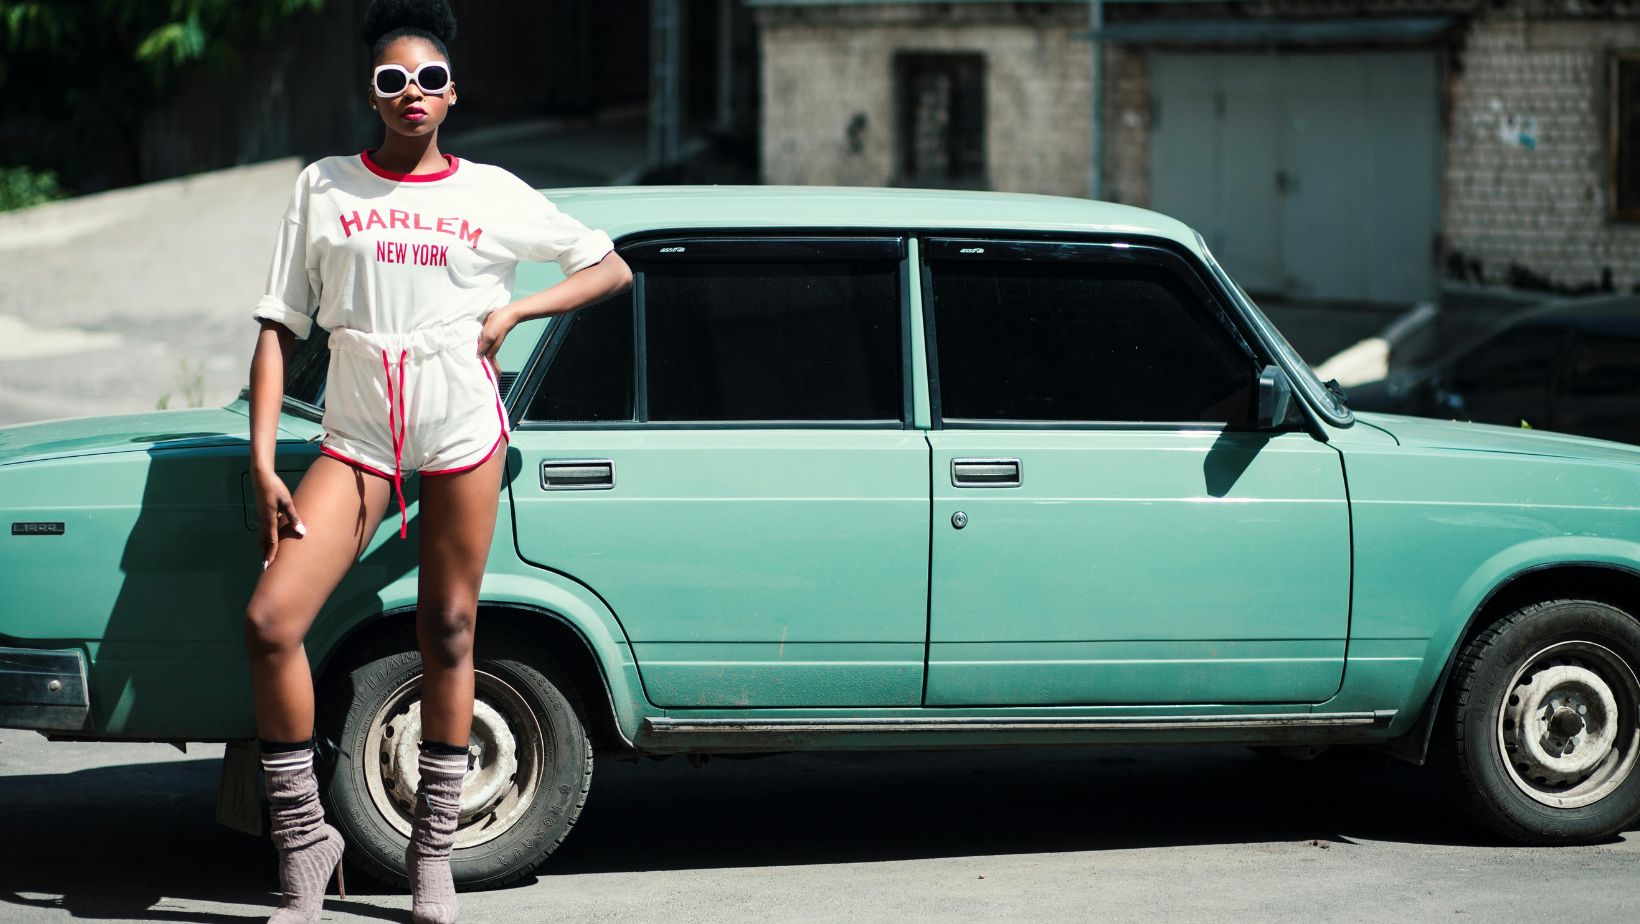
(117, 832)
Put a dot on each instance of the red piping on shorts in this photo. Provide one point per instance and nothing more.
(356, 463)
(500, 414)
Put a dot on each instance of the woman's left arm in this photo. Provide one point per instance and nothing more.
(585, 287)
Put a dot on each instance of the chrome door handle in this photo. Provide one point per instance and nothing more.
(577, 474)
(985, 473)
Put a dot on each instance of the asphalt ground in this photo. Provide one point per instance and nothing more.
(125, 832)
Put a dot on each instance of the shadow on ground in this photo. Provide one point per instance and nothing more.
(845, 807)
(131, 840)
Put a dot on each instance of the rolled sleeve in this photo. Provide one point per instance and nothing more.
(269, 308)
(559, 237)
(291, 295)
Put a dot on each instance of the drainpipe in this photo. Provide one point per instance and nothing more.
(665, 81)
(1096, 169)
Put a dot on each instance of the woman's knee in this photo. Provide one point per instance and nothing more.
(445, 633)
(270, 632)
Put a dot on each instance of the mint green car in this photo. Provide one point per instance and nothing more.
(870, 469)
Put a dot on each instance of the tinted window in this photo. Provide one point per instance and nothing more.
(1607, 366)
(1602, 388)
(591, 373)
(307, 370)
(1083, 342)
(773, 341)
(1506, 380)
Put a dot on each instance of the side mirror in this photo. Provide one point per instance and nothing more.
(1274, 394)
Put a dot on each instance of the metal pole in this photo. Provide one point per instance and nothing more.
(665, 81)
(1096, 167)
(726, 61)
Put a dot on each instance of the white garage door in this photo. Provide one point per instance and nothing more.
(1311, 175)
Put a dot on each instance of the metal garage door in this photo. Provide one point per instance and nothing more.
(1311, 175)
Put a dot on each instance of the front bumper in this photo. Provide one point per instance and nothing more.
(44, 690)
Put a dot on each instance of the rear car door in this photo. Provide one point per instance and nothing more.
(725, 457)
(1107, 526)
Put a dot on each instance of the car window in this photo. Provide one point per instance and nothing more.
(590, 375)
(1083, 341)
(306, 371)
(1506, 379)
(1520, 359)
(1606, 365)
(768, 340)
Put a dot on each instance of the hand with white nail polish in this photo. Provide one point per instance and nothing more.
(276, 507)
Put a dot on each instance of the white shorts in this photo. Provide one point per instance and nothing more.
(421, 401)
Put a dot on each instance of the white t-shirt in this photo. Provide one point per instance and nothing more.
(384, 252)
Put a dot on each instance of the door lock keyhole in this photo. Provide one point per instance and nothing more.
(959, 519)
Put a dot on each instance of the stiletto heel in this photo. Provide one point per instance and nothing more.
(307, 845)
(341, 884)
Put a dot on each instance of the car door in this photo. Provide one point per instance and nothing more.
(1107, 527)
(725, 457)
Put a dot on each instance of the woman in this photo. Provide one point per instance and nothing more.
(407, 256)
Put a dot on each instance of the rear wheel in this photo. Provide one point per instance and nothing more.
(1540, 730)
(532, 761)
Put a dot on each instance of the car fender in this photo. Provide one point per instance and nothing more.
(1470, 601)
(546, 593)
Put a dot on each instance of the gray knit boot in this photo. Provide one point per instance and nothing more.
(427, 858)
(309, 849)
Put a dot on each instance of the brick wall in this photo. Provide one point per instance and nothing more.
(825, 70)
(1528, 213)
(1544, 205)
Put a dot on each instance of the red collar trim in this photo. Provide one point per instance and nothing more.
(386, 174)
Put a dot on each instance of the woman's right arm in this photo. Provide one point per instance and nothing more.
(273, 349)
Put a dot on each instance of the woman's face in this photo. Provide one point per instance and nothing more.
(413, 112)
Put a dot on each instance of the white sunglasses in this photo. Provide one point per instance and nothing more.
(392, 80)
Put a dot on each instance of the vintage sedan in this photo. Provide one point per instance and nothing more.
(861, 469)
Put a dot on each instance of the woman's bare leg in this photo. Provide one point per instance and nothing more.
(458, 514)
(341, 507)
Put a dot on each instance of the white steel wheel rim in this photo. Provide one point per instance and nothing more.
(1566, 728)
(507, 750)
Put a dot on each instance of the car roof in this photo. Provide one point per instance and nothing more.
(626, 210)
(1588, 311)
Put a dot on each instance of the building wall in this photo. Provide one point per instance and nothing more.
(1537, 206)
(829, 111)
(1127, 126)
(1530, 214)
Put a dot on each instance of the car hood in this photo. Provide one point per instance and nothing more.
(1473, 437)
(141, 432)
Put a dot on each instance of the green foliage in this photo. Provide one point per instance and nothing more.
(21, 187)
(162, 36)
(81, 73)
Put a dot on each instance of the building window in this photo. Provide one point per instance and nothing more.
(941, 120)
(1626, 136)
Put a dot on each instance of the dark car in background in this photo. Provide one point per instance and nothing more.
(1571, 366)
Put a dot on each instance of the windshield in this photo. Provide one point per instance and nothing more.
(1328, 400)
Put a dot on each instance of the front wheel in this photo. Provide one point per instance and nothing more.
(1540, 729)
(532, 761)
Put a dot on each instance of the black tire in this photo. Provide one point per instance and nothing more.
(1524, 697)
(539, 800)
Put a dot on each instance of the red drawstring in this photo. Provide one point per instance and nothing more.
(397, 435)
